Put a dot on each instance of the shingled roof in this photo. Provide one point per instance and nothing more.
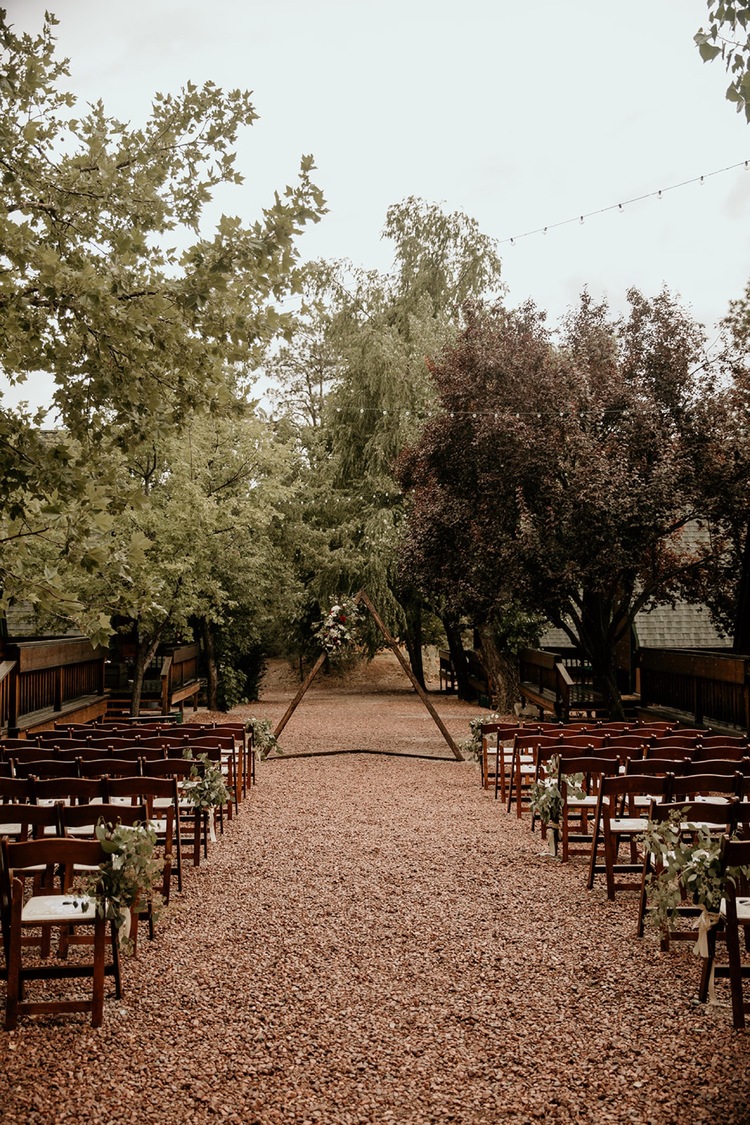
(681, 626)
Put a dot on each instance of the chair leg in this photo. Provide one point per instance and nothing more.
(97, 998)
(14, 960)
(735, 976)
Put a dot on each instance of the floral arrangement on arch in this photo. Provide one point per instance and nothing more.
(337, 632)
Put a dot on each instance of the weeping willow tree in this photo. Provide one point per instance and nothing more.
(355, 383)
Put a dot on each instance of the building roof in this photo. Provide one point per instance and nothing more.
(665, 626)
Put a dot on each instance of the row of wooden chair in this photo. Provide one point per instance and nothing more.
(236, 742)
(70, 808)
(94, 761)
(624, 776)
(615, 806)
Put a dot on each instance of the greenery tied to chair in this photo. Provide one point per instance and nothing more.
(127, 876)
(206, 788)
(546, 799)
(686, 867)
(264, 739)
(471, 747)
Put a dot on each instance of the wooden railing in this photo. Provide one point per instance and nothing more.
(710, 687)
(43, 679)
(172, 677)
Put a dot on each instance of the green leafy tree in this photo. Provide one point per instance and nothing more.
(375, 331)
(727, 36)
(108, 285)
(720, 445)
(556, 477)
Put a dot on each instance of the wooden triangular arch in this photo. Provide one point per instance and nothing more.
(362, 599)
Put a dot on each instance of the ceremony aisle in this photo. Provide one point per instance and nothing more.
(374, 940)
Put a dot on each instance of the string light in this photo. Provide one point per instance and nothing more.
(658, 194)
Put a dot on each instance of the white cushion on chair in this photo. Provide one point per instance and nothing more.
(743, 910)
(627, 824)
(54, 908)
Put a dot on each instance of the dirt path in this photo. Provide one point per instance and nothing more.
(375, 940)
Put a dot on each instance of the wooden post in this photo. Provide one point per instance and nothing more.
(303, 688)
(362, 597)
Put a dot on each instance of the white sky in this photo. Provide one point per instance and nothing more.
(522, 114)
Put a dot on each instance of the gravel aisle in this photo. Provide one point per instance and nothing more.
(375, 940)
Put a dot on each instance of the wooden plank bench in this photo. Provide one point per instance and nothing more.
(447, 673)
(544, 682)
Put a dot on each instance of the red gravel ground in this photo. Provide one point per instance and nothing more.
(375, 940)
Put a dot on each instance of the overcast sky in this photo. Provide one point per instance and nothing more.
(521, 114)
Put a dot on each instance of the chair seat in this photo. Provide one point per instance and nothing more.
(42, 909)
(582, 802)
(743, 910)
(627, 824)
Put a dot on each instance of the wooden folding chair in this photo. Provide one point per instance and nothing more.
(619, 821)
(713, 816)
(79, 822)
(734, 926)
(59, 855)
(577, 816)
(161, 797)
(528, 750)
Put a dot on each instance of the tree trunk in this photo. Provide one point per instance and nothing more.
(413, 642)
(145, 652)
(458, 658)
(741, 639)
(212, 668)
(503, 673)
(597, 644)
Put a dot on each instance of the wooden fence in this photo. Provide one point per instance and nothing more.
(44, 679)
(712, 688)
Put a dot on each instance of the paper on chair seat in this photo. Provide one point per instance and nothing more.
(54, 908)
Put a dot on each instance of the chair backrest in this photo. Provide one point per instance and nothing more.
(714, 766)
(165, 741)
(21, 820)
(145, 789)
(705, 753)
(73, 818)
(58, 852)
(703, 784)
(668, 742)
(531, 741)
(586, 738)
(16, 789)
(654, 767)
(170, 767)
(627, 787)
(31, 753)
(18, 743)
(152, 753)
(630, 741)
(108, 743)
(239, 733)
(677, 749)
(593, 769)
(47, 768)
(725, 740)
(76, 790)
(111, 767)
(721, 815)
